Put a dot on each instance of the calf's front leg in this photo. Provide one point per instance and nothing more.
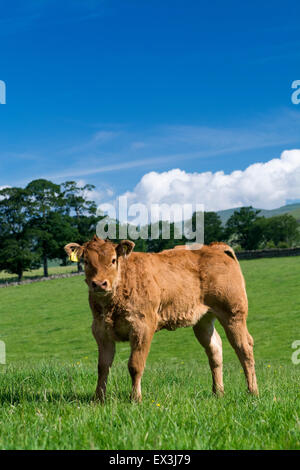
(140, 342)
(105, 360)
(106, 353)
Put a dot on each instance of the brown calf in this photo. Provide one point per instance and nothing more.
(133, 295)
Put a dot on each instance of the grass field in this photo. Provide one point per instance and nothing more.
(35, 273)
(47, 385)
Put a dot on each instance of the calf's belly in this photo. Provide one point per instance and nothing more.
(170, 318)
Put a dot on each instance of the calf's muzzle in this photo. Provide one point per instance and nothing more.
(100, 285)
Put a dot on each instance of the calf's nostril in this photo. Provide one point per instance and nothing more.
(102, 285)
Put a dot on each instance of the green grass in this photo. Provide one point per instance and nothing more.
(50, 376)
(50, 407)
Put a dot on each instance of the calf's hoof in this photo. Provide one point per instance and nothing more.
(218, 392)
(99, 397)
(135, 398)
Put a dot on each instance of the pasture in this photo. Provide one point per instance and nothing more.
(46, 387)
(36, 273)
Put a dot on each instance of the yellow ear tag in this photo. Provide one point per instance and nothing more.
(74, 257)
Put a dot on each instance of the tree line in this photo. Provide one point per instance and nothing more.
(38, 220)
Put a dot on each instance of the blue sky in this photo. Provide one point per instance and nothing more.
(107, 92)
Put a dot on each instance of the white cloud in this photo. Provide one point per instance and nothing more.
(92, 144)
(104, 136)
(137, 145)
(264, 185)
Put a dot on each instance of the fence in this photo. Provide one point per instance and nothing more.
(273, 253)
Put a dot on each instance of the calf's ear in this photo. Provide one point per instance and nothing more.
(74, 251)
(124, 248)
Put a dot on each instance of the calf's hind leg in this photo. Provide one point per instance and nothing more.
(240, 339)
(209, 338)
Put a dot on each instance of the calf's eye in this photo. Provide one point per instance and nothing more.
(114, 261)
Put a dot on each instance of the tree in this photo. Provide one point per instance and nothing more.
(140, 245)
(76, 199)
(213, 230)
(16, 245)
(159, 244)
(17, 257)
(282, 230)
(243, 228)
(52, 234)
(81, 210)
(43, 199)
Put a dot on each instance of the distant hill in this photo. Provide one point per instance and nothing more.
(293, 209)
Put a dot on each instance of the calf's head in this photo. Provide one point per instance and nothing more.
(101, 262)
